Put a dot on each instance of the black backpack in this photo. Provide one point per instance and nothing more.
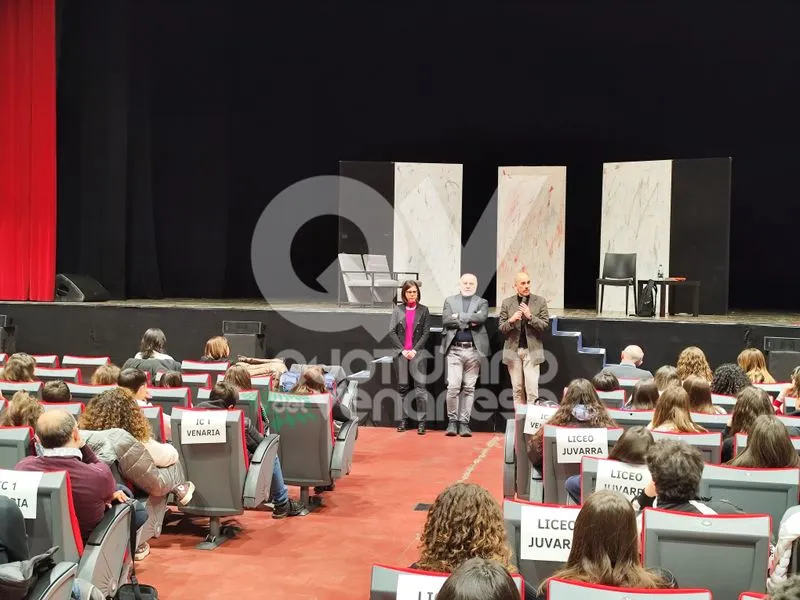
(647, 300)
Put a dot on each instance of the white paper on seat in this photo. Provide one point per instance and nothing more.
(21, 487)
(629, 480)
(411, 586)
(572, 444)
(546, 532)
(537, 416)
(203, 427)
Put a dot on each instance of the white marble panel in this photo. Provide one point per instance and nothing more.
(636, 218)
(531, 213)
(427, 227)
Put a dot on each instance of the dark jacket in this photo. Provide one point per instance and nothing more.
(13, 540)
(530, 591)
(628, 371)
(721, 507)
(153, 365)
(397, 327)
(252, 436)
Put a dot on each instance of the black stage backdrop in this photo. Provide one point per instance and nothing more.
(178, 121)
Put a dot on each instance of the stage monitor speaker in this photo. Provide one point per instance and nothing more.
(245, 338)
(79, 288)
(781, 363)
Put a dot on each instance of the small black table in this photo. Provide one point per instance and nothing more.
(673, 283)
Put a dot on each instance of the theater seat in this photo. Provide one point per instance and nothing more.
(344, 393)
(198, 366)
(709, 444)
(84, 392)
(384, 581)
(169, 398)
(56, 374)
(226, 480)
(15, 444)
(74, 408)
(249, 403)
(560, 589)
(104, 561)
(193, 381)
(56, 584)
(312, 454)
(9, 388)
(87, 364)
(155, 416)
(728, 554)
(46, 361)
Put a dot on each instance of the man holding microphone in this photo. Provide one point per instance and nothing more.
(523, 319)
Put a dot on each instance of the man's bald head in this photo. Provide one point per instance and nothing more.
(522, 284)
(633, 354)
(56, 429)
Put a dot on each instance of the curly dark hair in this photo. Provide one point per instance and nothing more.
(729, 379)
(116, 408)
(464, 522)
(676, 468)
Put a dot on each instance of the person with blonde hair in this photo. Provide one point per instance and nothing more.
(671, 414)
(216, 350)
(105, 375)
(752, 362)
(19, 368)
(692, 361)
(22, 411)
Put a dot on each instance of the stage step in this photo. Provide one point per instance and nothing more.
(579, 336)
(570, 359)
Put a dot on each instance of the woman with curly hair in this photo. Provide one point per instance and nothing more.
(692, 361)
(20, 367)
(580, 407)
(751, 403)
(729, 380)
(752, 362)
(23, 411)
(117, 408)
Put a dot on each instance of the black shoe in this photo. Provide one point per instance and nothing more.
(463, 430)
(421, 428)
(452, 429)
(290, 508)
(403, 425)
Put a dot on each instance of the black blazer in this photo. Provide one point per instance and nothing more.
(422, 327)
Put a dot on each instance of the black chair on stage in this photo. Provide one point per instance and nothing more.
(619, 270)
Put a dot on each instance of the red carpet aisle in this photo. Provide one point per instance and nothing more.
(327, 555)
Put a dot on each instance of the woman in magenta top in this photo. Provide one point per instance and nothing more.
(408, 333)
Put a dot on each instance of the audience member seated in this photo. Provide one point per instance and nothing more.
(311, 381)
(56, 391)
(692, 361)
(793, 391)
(631, 448)
(645, 395)
(605, 548)
(105, 375)
(699, 391)
(479, 579)
(117, 408)
(580, 407)
(239, 377)
(93, 486)
(751, 361)
(23, 411)
(666, 376)
(671, 414)
(13, 539)
(768, 446)
(217, 350)
(151, 356)
(224, 396)
(135, 380)
(751, 403)
(729, 380)
(19, 368)
(628, 367)
(676, 469)
(605, 381)
(171, 379)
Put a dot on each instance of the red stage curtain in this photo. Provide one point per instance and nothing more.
(27, 149)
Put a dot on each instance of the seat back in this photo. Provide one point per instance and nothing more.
(523, 464)
(554, 473)
(538, 553)
(305, 425)
(774, 389)
(726, 402)
(629, 418)
(74, 408)
(770, 491)
(15, 444)
(740, 443)
(56, 523)
(198, 366)
(169, 398)
(726, 553)
(355, 279)
(47, 361)
(628, 385)
(561, 589)
(790, 421)
(612, 399)
(193, 381)
(249, 403)
(155, 416)
(72, 374)
(378, 264)
(218, 470)
(629, 480)
(87, 364)
(85, 392)
(2, 405)
(619, 266)
(389, 583)
(9, 388)
(709, 444)
(713, 423)
(55, 584)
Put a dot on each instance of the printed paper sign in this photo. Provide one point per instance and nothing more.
(538, 416)
(546, 533)
(572, 444)
(21, 487)
(411, 586)
(629, 480)
(203, 427)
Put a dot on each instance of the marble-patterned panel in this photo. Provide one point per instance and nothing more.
(531, 215)
(427, 226)
(636, 218)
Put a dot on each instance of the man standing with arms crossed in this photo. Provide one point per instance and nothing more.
(465, 343)
(523, 318)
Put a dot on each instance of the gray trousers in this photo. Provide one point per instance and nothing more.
(463, 367)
